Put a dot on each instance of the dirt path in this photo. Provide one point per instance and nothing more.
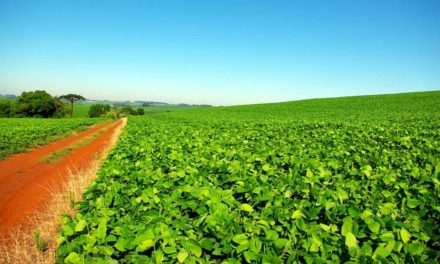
(27, 183)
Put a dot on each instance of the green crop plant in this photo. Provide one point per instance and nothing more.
(318, 181)
(20, 134)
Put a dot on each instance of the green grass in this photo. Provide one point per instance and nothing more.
(168, 108)
(343, 180)
(2, 99)
(60, 154)
(81, 110)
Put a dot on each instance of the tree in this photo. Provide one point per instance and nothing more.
(140, 111)
(98, 110)
(61, 109)
(128, 110)
(72, 98)
(38, 104)
(6, 109)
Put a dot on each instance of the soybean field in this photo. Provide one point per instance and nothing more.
(19, 134)
(354, 179)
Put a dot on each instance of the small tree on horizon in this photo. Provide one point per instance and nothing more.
(72, 98)
(140, 111)
(98, 110)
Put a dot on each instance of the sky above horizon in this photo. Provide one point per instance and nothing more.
(219, 52)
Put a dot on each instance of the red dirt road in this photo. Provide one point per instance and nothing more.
(26, 182)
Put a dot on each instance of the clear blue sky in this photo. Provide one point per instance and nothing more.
(219, 52)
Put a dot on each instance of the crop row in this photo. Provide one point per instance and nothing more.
(19, 134)
(198, 187)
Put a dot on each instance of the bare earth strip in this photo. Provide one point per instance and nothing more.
(35, 194)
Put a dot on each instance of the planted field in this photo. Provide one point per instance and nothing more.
(168, 108)
(81, 110)
(316, 181)
(19, 134)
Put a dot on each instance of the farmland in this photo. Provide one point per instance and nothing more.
(315, 181)
(19, 134)
(168, 108)
(82, 109)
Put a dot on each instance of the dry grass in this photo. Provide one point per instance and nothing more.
(22, 247)
(65, 152)
(37, 244)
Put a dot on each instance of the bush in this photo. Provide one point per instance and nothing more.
(98, 110)
(128, 110)
(39, 104)
(140, 111)
(112, 115)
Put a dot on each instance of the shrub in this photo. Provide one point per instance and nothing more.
(38, 104)
(98, 110)
(140, 111)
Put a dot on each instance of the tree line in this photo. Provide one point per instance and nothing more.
(34, 104)
(39, 103)
(99, 110)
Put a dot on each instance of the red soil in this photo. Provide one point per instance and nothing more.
(26, 184)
